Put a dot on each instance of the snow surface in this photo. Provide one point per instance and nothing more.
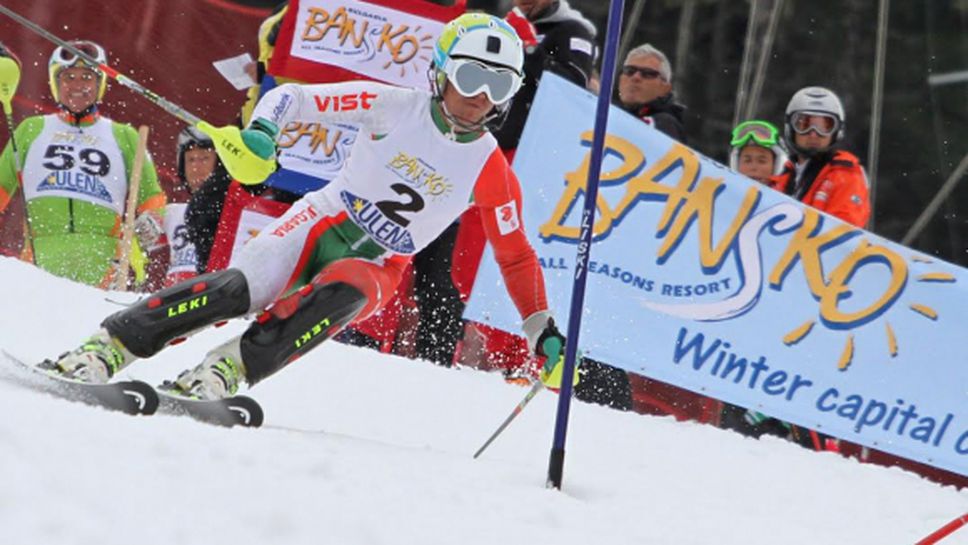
(364, 448)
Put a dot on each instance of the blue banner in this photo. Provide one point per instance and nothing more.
(702, 278)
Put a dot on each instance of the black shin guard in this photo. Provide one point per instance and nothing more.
(296, 324)
(147, 326)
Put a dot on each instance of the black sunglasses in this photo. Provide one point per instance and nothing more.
(647, 73)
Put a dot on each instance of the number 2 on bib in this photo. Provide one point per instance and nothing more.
(392, 209)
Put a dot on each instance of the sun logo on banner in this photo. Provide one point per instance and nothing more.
(417, 54)
(802, 331)
(688, 200)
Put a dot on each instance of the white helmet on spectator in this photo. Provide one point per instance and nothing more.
(477, 53)
(813, 102)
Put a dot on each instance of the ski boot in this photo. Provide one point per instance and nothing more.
(217, 377)
(95, 361)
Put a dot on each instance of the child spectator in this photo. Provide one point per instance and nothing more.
(756, 150)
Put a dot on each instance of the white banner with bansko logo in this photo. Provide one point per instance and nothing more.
(394, 46)
(707, 280)
(379, 42)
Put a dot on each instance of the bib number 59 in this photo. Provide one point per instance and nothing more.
(61, 157)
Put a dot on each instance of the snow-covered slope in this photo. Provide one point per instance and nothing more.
(363, 448)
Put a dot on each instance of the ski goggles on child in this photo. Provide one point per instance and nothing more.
(823, 123)
(760, 133)
(66, 58)
(471, 77)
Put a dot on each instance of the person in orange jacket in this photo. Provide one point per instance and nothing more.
(828, 179)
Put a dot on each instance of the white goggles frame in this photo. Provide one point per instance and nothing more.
(813, 126)
(460, 69)
(66, 58)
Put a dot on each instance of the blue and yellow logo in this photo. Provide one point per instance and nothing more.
(369, 216)
(76, 182)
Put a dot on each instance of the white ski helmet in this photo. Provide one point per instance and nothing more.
(63, 58)
(816, 101)
(476, 53)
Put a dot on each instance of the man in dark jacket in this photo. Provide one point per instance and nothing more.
(203, 214)
(208, 187)
(556, 38)
(645, 91)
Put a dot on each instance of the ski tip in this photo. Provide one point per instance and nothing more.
(228, 412)
(248, 410)
(144, 397)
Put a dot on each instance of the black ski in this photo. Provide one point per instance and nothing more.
(231, 411)
(128, 396)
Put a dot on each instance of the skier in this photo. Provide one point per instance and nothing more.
(75, 168)
(337, 255)
(756, 150)
(194, 206)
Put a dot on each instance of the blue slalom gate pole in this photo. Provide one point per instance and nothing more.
(557, 462)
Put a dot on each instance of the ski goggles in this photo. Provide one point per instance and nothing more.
(65, 57)
(823, 123)
(471, 77)
(760, 133)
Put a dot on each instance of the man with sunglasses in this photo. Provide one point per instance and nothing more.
(645, 91)
(818, 174)
(74, 169)
(337, 255)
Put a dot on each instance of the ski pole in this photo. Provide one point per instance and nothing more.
(162, 103)
(944, 531)
(556, 461)
(127, 231)
(537, 387)
(9, 80)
